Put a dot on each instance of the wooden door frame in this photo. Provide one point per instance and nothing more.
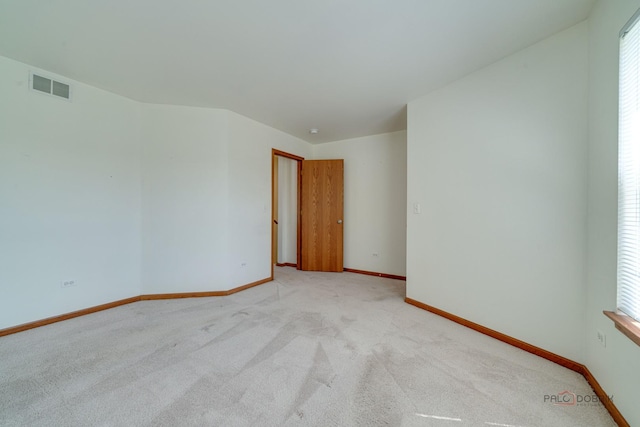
(298, 159)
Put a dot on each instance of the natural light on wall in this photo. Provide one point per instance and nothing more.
(629, 171)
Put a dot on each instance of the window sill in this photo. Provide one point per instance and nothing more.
(626, 325)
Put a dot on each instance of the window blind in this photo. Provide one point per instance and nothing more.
(629, 172)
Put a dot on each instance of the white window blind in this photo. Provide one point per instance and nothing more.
(629, 172)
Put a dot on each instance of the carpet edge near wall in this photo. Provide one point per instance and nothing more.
(144, 297)
(560, 360)
(530, 348)
(150, 297)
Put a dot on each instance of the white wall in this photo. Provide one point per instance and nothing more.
(375, 182)
(69, 198)
(617, 367)
(207, 198)
(249, 207)
(497, 161)
(184, 199)
(126, 198)
(287, 210)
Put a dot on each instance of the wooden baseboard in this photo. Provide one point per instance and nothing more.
(249, 285)
(148, 297)
(560, 360)
(151, 297)
(373, 273)
(604, 398)
(353, 270)
(567, 363)
(286, 264)
(54, 319)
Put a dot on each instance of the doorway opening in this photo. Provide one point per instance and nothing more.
(285, 209)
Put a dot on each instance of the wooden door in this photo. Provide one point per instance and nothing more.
(321, 214)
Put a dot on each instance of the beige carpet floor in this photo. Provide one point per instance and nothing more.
(317, 349)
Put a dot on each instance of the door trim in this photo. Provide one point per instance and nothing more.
(298, 159)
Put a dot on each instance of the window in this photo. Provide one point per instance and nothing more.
(629, 182)
(629, 172)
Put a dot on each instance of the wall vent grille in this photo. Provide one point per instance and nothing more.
(49, 86)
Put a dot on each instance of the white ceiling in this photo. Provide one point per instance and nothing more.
(347, 67)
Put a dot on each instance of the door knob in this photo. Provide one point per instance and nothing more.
(339, 221)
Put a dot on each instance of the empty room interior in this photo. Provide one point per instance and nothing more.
(316, 213)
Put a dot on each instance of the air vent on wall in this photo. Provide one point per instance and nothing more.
(49, 86)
